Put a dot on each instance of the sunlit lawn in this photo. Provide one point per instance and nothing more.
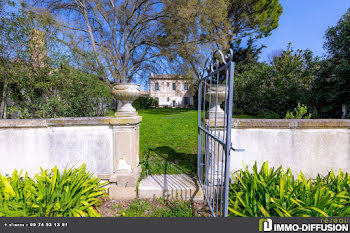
(168, 141)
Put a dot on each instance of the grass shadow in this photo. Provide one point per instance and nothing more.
(165, 160)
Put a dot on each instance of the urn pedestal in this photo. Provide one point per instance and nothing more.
(215, 96)
(126, 93)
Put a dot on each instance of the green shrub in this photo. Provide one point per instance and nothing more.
(145, 102)
(300, 113)
(271, 89)
(73, 193)
(271, 192)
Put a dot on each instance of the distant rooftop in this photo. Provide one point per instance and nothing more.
(144, 92)
(165, 76)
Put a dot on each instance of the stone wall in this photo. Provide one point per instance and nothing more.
(108, 146)
(312, 146)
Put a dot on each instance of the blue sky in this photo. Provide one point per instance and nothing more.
(304, 23)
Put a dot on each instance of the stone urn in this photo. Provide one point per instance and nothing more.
(215, 95)
(126, 93)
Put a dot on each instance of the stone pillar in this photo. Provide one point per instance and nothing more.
(126, 168)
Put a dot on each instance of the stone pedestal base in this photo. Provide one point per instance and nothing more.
(211, 114)
(126, 179)
(121, 193)
(125, 114)
(122, 184)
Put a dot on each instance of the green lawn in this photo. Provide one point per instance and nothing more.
(168, 141)
(156, 208)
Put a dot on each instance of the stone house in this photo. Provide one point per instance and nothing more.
(171, 90)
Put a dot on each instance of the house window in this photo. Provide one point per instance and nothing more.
(167, 84)
(185, 86)
(174, 86)
(156, 86)
(186, 100)
(168, 99)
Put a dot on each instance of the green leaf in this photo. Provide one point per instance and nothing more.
(319, 211)
(236, 212)
(8, 190)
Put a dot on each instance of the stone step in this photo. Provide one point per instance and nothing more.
(170, 187)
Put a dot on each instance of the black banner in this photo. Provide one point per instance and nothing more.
(181, 225)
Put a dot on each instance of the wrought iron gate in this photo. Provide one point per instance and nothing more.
(215, 101)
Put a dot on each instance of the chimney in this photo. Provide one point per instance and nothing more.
(37, 42)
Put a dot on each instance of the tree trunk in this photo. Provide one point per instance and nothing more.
(3, 106)
(92, 39)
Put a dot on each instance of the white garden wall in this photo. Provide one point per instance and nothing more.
(30, 144)
(312, 146)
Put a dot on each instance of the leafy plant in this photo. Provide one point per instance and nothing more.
(145, 102)
(300, 113)
(271, 192)
(72, 193)
(277, 86)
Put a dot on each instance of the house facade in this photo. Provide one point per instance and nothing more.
(171, 90)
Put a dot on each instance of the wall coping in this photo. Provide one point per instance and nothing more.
(290, 123)
(69, 121)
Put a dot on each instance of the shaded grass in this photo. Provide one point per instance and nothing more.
(158, 208)
(168, 141)
(154, 208)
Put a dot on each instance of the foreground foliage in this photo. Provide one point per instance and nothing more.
(72, 193)
(271, 192)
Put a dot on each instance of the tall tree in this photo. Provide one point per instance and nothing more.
(270, 90)
(253, 17)
(338, 46)
(119, 33)
(127, 36)
(13, 45)
(331, 86)
(192, 30)
(206, 25)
